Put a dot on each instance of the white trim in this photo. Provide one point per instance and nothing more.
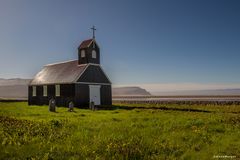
(51, 84)
(92, 83)
(93, 64)
(90, 43)
(94, 42)
(105, 74)
(82, 64)
(81, 73)
(60, 62)
(71, 83)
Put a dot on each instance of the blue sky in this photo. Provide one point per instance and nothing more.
(142, 42)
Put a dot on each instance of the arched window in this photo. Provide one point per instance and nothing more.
(83, 53)
(94, 54)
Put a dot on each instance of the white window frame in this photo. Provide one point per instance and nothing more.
(83, 54)
(34, 91)
(45, 90)
(94, 54)
(57, 90)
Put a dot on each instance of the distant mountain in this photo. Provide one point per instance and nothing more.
(14, 88)
(14, 81)
(126, 91)
(14, 91)
(217, 92)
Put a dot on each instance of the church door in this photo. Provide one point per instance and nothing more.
(94, 91)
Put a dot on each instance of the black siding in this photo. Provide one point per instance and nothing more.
(30, 99)
(88, 55)
(78, 93)
(82, 95)
(67, 94)
(106, 95)
(94, 74)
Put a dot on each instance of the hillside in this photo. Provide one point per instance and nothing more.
(217, 92)
(14, 82)
(14, 88)
(130, 91)
(14, 91)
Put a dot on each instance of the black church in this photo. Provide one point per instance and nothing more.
(81, 81)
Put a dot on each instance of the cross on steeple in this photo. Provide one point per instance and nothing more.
(93, 29)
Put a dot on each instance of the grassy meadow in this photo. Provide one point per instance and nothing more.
(136, 131)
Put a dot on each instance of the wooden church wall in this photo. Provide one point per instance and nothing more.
(31, 100)
(93, 74)
(81, 95)
(88, 58)
(67, 94)
(93, 60)
(106, 95)
(38, 99)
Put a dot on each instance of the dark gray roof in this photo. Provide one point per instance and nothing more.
(87, 43)
(60, 73)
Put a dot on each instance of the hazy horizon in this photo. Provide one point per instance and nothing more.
(157, 88)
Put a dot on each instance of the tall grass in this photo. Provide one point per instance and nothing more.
(34, 133)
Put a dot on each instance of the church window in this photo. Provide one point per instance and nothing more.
(57, 89)
(34, 91)
(83, 53)
(45, 91)
(94, 54)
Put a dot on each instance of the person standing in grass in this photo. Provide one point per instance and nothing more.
(52, 105)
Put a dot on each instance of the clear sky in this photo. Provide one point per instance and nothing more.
(141, 41)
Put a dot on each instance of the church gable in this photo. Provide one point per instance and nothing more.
(94, 74)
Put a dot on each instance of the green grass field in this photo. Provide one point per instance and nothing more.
(127, 132)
